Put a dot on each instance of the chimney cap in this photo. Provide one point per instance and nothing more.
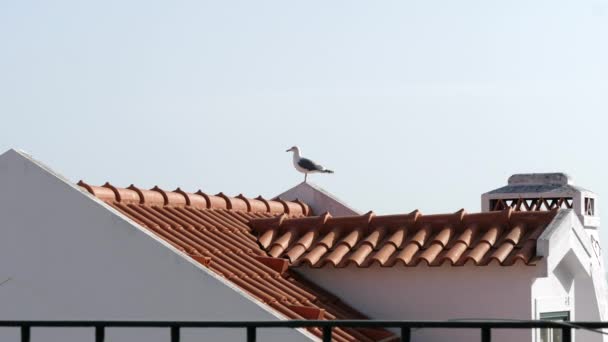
(554, 178)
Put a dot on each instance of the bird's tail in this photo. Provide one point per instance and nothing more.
(327, 171)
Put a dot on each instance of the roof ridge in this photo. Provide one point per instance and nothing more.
(371, 220)
(178, 197)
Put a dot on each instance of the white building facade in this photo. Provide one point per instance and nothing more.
(568, 283)
(66, 255)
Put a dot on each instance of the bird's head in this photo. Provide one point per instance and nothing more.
(293, 149)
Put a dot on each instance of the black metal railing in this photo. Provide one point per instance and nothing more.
(405, 327)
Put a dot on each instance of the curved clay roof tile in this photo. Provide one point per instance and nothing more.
(359, 255)
(206, 197)
(128, 195)
(246, 200)
(305, 207)
(454, 254)
(195, 200)
(87, 187)
(226, 200)
(278, 246)
(102, 193)
(407, 254)
(267, 223)
(183, 193)
(514, 235)
(431, 253)
(305, 223)
(217, 202)
(303, 243)
(477, 254)
(394, 221)
(265, 201)
(421, 236)
(502, 252)
(107, 185)
(443, 236)
(162, 192)
(384, 254)
(276, 207)
(491, 235)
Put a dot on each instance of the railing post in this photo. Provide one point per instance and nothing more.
(406, 334)
(175, 334)
(100, 333)
(486, 334)
(327, 334)
(25, 333)
(251, 335)
(566, 334)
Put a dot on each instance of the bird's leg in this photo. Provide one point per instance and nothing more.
(305, 176)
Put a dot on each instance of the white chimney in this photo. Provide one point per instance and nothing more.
(545, 191)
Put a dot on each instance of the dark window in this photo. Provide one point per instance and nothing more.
(553, 335)
(589, 206)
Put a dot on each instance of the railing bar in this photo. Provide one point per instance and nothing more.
(327, 334)
(566, 334)
(251, 333)
(100, 333)
(486, 334)
(311, 323)
(25, 333)
(406, 334)
(175, 333)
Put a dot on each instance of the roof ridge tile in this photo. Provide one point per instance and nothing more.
(183, 193)
(178, 197)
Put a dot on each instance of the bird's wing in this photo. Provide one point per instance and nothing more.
(309, 165)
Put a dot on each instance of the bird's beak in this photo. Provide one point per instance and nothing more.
(288, 150)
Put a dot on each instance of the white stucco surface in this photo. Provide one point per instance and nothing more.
(576, 280)
(435, 293)
(319, 200)
(66, 256)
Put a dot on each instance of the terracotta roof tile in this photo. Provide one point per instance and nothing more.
(214, 230)
(503, 237)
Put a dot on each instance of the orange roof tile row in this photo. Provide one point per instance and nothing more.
(504, 237)
(214, 231)
(201, 200)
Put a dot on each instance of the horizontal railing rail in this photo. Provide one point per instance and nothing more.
(251, 327)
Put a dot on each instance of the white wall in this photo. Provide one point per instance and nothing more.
(567, 291)
(577, 280)
(586, 299)
(319, 200)
(435, 293)
(67, 257)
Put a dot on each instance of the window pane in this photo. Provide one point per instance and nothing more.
(557, 335)
(553, 335)
(544, 335)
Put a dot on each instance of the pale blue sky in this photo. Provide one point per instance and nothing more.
(414, 104)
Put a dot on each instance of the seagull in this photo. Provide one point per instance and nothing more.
(306, 165)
